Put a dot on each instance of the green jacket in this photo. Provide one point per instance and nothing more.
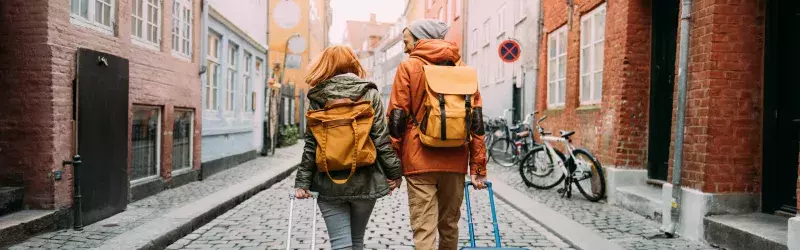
(368, 182)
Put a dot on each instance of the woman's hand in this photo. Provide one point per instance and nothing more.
(300, 193)
(394, 184)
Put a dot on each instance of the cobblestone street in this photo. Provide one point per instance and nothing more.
(628, 229)
(261, 222)
(145, 210)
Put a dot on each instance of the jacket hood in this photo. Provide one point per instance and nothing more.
(338, 87)
(436, 51)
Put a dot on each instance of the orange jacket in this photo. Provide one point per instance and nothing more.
(407, 98)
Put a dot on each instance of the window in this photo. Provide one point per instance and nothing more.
(489, 73)
(501, 21)
(499, 64)
(557, 67)
(441, 14)
(593, 27)
(213, 72)
(450, 11)
(244, 94)
(146, 21)
(145, 140)
(486, 32)
(182, 135)
(521, 11)
(99, 13)
(182, 27)
(259, 75)
(473, 40)
(458, 8)
(230, 90)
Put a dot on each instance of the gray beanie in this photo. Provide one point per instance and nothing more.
(428, 29)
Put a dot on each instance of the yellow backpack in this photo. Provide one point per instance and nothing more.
(342, 130)
(449, 95)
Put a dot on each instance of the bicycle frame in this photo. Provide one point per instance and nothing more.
(546, 139)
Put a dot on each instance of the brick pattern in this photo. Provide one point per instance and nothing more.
(616, 130)
(38, 68)
(723, 112)
(25, 101)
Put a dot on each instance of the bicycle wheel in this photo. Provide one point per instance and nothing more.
(503, 152)
(588, 175)
(539, 170)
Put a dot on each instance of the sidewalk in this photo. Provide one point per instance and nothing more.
(261, 222)
(151, 209)
(628, 229)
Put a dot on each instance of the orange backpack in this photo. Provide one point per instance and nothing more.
(342, 130)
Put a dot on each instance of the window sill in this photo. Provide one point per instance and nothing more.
(520, 20)
(145, 180)
(502, 33)
(588, 108)
(499, 81)
(146, 44)
(555, 107)
(182, 57)
(82, 22)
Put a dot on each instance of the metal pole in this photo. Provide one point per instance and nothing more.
(77, 204)
(683, 65)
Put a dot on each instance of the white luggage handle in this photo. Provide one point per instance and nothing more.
(314, 196)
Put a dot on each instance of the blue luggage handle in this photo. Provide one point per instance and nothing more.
(469, 214)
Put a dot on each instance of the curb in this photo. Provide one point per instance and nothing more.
(179, 222)
(577, 235)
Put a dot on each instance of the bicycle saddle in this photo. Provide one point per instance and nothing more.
(524, 133)
(567, 134)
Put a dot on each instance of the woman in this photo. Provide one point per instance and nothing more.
(346, 208)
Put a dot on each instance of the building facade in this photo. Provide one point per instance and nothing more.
(116, 82)
(450, 12)
(609, 72)
(233, 84)
(488, 24)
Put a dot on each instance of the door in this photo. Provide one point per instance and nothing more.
(517, 101)
(662, 85)
(102, 139)
(781, 107)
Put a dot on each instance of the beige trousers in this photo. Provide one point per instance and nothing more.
(434, 201)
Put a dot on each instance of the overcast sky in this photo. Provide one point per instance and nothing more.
(358, 10)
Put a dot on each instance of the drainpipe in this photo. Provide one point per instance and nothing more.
(683, 65)
(464, 31)
(203, 35)
(265, 134)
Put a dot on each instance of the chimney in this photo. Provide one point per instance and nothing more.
(372, 18)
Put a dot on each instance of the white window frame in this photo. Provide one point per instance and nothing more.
(90, 20)
(473, 41)
(441, 15)
(501, 21)
(159, 130)
(486, 32)
(556, 55)
(450, 14)
(182, 24)
(230, 77)
(458, 8)
(146, 39)
(489, 76)
(247, 80)
(500, 71)
(592, 42)
(260, 73)
(213, 76)
(522, 13)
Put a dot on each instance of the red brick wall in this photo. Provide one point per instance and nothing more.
(616, 130)
(26, 98)
(37, 89)
(723, 116)
(455, 34)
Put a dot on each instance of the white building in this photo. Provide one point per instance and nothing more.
(489, 23)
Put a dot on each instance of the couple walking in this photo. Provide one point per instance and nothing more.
(373, 167)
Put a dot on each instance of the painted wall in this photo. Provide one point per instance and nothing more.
(496, 78)
(249, 15)
(230, 133)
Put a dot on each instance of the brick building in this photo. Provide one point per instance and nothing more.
(450, 12)
(609, 72)
(115, 84)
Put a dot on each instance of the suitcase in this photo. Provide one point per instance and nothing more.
(494, 221)
(313, 220)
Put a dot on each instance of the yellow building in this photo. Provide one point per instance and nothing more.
(306, 24)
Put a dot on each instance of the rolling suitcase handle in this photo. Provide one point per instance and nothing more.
(314, 196)
(469, 214)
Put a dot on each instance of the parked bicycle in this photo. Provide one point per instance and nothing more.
(544, 167)
(508, 150)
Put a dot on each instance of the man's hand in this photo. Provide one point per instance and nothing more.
(394, 184)
(478, 181)
(300, 193)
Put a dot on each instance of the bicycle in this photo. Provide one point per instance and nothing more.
(579, 164)
(508, 150)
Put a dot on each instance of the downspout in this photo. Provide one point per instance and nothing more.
(683, 65)
(203, 35)
(540, 22)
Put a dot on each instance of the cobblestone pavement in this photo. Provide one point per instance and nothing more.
(145, 210)
(628, 229)
(261, 222)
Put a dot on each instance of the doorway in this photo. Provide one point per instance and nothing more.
(662, 85)
(781, 107)
(102, 139)
(516, 101)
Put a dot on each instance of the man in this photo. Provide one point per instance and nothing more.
(435, 176)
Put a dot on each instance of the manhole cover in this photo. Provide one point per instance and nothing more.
(111, 225)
